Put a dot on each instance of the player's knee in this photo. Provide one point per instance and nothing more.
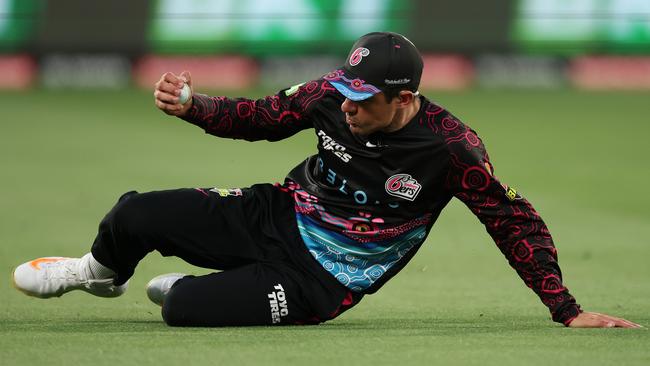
(131, 214)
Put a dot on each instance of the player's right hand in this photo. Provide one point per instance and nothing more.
(167, 91)
(597, 320)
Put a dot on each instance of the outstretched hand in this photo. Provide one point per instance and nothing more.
(167, 91)
(598, 320)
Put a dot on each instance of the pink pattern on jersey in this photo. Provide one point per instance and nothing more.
(513, 223)
(270, 118)
(363, 228)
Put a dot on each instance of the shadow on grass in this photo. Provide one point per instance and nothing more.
(82, 326)
(396, 325)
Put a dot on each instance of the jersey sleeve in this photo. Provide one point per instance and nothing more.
(270, 118)
(511, 221)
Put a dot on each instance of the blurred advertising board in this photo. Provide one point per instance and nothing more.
(520, 71)
(85, 71)
(610, 72)
(18, 71)
(18, 19)
(277, 72)
(84, 27)
(446, 72)
(260, 27)
(571, 27)
(208, 72)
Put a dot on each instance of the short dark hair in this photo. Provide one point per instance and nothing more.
(392, 93)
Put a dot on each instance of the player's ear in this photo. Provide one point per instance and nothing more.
(405, 97)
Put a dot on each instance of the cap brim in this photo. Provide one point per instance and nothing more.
(351, 86)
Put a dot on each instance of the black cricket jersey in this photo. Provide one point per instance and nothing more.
(364, 205)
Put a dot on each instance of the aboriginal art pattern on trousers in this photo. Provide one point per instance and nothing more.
(356, 265)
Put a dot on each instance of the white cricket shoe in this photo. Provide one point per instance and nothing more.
(159, 286)
(53, 276)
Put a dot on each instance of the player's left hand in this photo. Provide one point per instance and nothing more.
(597, 320)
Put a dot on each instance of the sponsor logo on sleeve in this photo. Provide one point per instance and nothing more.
(403, 186)
(293, 90)
(511, 193)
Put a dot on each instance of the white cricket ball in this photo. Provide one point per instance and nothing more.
(186, 93)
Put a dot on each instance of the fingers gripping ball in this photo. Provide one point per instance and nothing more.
(186, 94)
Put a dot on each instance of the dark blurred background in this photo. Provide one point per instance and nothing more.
(243, 44)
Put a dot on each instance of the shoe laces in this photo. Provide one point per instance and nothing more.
(66, 269)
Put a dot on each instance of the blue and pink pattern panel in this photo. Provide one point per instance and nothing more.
(355, 264)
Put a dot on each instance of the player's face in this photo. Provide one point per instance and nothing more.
(371, 115)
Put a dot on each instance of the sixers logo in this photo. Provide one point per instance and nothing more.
(403, 186)
(357, 55)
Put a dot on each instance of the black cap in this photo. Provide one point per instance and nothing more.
(378, 61)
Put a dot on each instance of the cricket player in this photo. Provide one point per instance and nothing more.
(343, 222)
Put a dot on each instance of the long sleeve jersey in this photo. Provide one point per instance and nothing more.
(364, 205)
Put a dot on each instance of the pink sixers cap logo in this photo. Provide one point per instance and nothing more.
(357, 55)
(403, 186)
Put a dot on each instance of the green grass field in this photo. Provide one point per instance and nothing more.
(580, 158)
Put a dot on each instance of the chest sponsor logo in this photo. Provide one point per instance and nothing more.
(403, 186)
(329, 144)
(278, 304)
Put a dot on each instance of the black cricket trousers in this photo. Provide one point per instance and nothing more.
(267, 275)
